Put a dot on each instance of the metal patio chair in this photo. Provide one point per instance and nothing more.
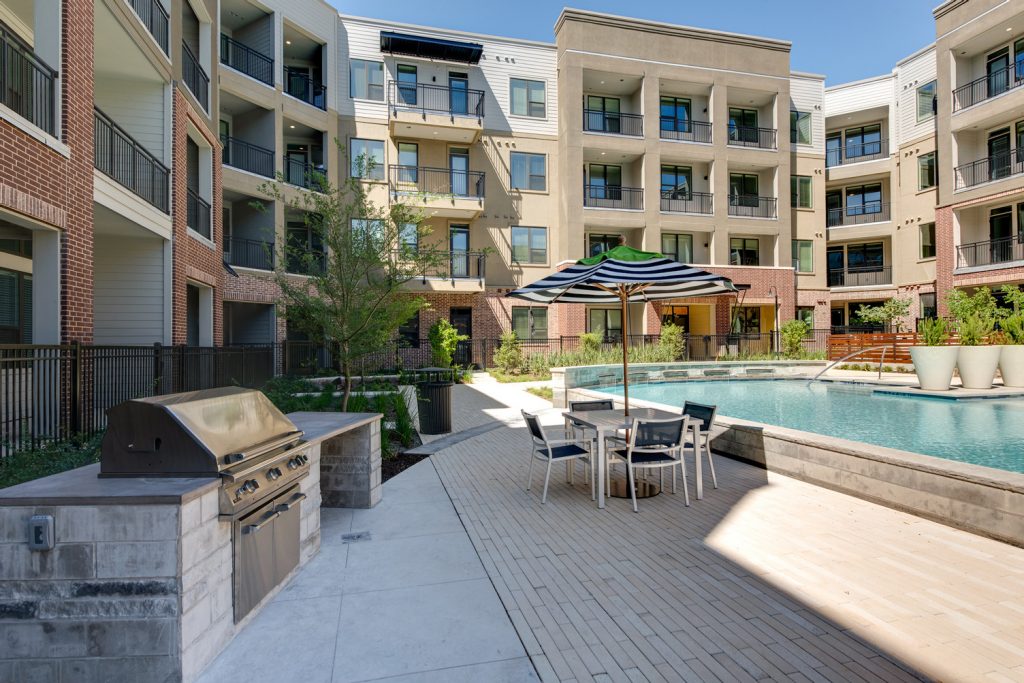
(702, 417)
(655, 444)
(553, 450)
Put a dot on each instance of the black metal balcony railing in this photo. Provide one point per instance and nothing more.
(247, 156)
(26, 82)
(437, 181)
(156, 20)
(752, 206)
(197, 215)
(991, 168)
(307, 263)
(453, 265)
(746, 136)
(299, 85)
(119, 156)
(694, 202)
(247, 253)
(685, 129)
(300, 173)
(871, 212)
(613, 197)
(435, 99)
(614, 123)
(861, 276)
(248, 61)
(195, 77)
(987, 87)
(990, 252)
(852, 154)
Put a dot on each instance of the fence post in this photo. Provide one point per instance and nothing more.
(158, 375)
(76, 388)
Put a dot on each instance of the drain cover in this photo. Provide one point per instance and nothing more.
(356, 536)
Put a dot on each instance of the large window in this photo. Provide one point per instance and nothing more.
(15, 307)
(409, 332)
(527, 98)
(675, 115)
(926, 171)
(605, 181)
(800, 127)
(801, 187)
(408, 162)
(529, 171)
(926, 101)
(743, 188)
(678, 246)
(367, 159)
(744, 251)
(407, 83)
(530, 322)
(746, 320)
(409, 236)
(597, 244)
(529, 245)
(366, 80)
(803, 256)
(806, 314)
(743, 125)
(603, 114)
(676, 182)
(676, 315)
(927, 232)
(926, 302)
(863, 141)
(607, 322)
(865, 257)
(863, 199)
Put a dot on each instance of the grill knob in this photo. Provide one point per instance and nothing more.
(293, 463)
(251, 485)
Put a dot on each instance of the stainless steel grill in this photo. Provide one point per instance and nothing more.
(234, 434)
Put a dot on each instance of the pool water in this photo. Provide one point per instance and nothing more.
(987, 432)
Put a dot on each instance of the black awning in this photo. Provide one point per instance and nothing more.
(430, 48)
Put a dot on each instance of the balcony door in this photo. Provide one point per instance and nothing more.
(743, 125)
(833, 149)
(605, 182)
(408, 162)
(862, 200)
(297, 161)
(836, 266)
(458, 165)
(997, 71)
(407, 84)
(458, 92)
(603, 114)
(999, 154)
(1000, 234)
(743, 189)
(458, 245)
(833, 208)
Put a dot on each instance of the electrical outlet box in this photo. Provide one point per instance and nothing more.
(40, 532)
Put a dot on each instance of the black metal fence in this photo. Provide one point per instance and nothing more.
(692, 202)
(866, 276)
(990, 252)
(748, 136)
(248, 253)
(613, 197)
(438, 181)
(156, 20)
(300, 173)
(298, 84)
(855, 153)
(452, 265)
(26, 82)
(995, 167)
(435, 99)
(614, 123)
(247, 156)
(197, 214)
(687, 130)
(118, 155)
(195, 77)
(752, 206)
(869, 212)
(243, 58)
(988, 86)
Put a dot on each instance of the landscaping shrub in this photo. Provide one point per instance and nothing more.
(48, 459)
(509, 356)
(793, 333)
(933, 332)
(673, 339)
(444, 339)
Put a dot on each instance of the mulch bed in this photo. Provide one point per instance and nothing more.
(398, 463)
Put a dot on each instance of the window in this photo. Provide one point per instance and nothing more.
(367, 159)
(927, 232)
(806, 314)
(408, 162)
(530, 322)
(801, 190)
(746, 320)
(409, 332)
(865, 257)
(743, 189)
(366, 81)
(863, 141)
(529, 245)
(598, 244)
(800, 127)
(926, 302)
(678, 246)
(529, 171)
(409, 237)
(743, 125)
(527, 98)
(367, 227)
(603, 114)
(926, 101)
(863, 199)
(675, 115)
(676, 315)
(744, 251)
(803, 256)
(675, 182)
(16, 246)
(15, 307)
(407, 84)
(607, 322)
(605, 182)
(926, 171)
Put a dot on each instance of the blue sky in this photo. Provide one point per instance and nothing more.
(843, 40)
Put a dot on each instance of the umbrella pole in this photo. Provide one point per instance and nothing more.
(625, 348)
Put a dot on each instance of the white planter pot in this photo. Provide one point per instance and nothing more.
(978, 365)
(934, 366)
(1011, 365)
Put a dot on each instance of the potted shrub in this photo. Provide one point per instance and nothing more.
(934, 362)
(1011, 360)
(977, 362)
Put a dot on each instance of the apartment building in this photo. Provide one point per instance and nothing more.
(980, 219)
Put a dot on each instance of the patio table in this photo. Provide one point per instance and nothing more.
(606, 423)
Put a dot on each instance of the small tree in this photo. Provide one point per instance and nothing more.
(673, 340)
(355, 268)
(890, 314)
(509, 356)
(444, 339)
(793, 333)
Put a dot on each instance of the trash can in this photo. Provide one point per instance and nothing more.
(434, 399)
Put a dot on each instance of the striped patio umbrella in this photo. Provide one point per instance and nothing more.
(624, 275)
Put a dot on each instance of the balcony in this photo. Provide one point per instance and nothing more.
(197, 213)
(304, 174)
(195, 77)
(299, 85)
(441, 191)
(462, 271)
(990, 252)
(435, 112)
(694, 202)
(156, 20)
(746, 136)
(685, 130)
(872, 212)
(866, 276)
(989, 169)
(26, 82)
(752, 206)
(613, 197)
(119, 156)
(856, 153)
(613, 123)
(309, 262)
(246, 156)
(246, 253)
(246, 60)
(987, 87)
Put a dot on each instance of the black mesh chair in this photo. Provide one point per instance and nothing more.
(553, 450)
(703, 418)
(655, 444)
(578, 431)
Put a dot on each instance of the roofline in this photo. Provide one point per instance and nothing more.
(862, 81)
(946, 7)
(807, 74)
(918, 53)
(677, 30)
(445, 31)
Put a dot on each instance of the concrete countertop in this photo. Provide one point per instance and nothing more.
(82, 486)
(318, 427)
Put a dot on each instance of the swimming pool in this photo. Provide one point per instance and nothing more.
(987, 432)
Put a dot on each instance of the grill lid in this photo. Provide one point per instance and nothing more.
(196, 433)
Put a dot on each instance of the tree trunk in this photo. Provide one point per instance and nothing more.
(346, 371)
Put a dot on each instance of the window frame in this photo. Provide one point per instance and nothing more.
(933, 85)
(795, 116)
(932, 157)
(921, 255)
(675, 103)
(531, 316)
(528, 159)
(676, 252)
(603, 238)
(797, 244)
(530, 249)
(794, 187)
(743, 249)
(406, 327)
(677, 171)
(742, 319)
(362, 63)
(607, 313)
(808, 319)
(922, 308)
(353, 157)
(527, 83)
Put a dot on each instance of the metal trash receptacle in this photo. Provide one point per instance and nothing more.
(434, 398)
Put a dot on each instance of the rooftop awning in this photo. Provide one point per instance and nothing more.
(430, 48)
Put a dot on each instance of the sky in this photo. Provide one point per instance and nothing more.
(846, 41)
